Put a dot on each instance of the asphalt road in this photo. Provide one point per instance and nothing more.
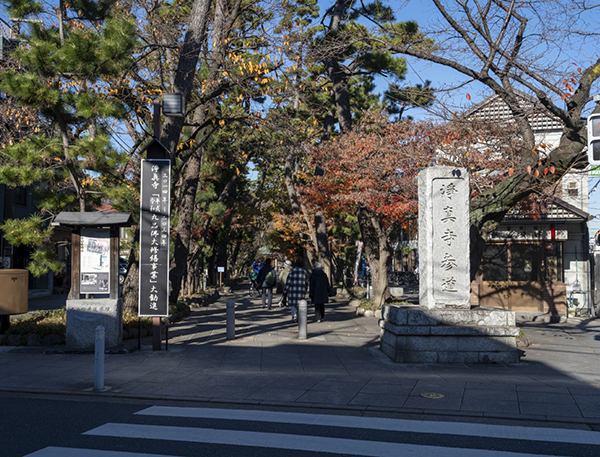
(69, 426)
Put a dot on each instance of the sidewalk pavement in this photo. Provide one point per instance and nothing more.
(339, 366)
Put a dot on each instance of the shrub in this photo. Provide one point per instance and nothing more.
(54, 322)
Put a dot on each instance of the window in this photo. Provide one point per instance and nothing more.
(553, 255)
(20, 196)
(524, 262)
(495, 262)
(572, 189)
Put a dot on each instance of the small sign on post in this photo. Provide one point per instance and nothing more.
(221, 270)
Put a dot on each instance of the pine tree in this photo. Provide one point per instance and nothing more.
(62, 71)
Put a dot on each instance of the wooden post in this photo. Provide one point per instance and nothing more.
(74, 293)
(113, 279)
(156, 333)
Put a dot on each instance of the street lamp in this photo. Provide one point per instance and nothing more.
(172, 105)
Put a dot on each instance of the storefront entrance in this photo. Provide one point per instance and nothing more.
(515, 275)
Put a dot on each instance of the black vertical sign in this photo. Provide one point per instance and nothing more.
(155, 203)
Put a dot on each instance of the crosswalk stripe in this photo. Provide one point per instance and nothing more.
(78, 452)
(377, 423)
(291, 442)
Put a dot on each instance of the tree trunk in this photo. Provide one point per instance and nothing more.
(130, 292)
(323, 243)
(182, 238)
(378, 251)
(195, 38)
(299, 208)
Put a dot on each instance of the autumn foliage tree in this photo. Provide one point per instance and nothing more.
(372, 171)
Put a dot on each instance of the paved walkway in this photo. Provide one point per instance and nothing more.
(339, 366)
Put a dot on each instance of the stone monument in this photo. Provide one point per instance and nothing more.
(444, 328)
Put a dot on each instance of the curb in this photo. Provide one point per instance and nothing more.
(592, 423)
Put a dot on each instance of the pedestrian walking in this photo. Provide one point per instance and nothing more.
(256, 265)
(282, 280)
(267, 279)
(296, 286)
(319, 290)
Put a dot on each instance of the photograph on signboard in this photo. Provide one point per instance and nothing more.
(95, 261)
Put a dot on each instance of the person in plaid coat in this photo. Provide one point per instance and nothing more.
(296, 287)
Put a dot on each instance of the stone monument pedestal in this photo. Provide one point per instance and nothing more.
(411, 334)
(83, 316)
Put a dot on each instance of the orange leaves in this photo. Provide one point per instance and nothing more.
(469, 97)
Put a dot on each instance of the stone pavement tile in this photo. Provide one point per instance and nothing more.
(585, 390)
(288, 333)
(589, 409)
(340, 384)
(162, 376)
(392, 399)
(277, 394)
(449, 402)
(365, 367)
(542, 389)
(123, 378)
(241, 359)
(549, 409)
(495, 395)
(589, 406)
(490, 385)
(70, 370)
(253, 381)
(332, 338)
(181, 389)
(383, 386)
(546, 397)
(496, 401)
(134, 387)
(439, 386)
(313, 339)
(39, 382)
(281, 366)
(230, 392)
(327, 397)
(292, 381)
(491, 406)
(323, 368)
(318, 356)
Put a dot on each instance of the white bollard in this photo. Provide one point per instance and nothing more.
(230, 320)
(302, 318)
(99, 359)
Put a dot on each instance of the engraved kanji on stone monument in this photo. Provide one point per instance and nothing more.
(444, 238)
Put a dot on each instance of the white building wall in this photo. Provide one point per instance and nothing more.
(576, 266)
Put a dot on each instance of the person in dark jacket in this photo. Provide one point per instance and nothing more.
(267, 289)
(319, 290)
